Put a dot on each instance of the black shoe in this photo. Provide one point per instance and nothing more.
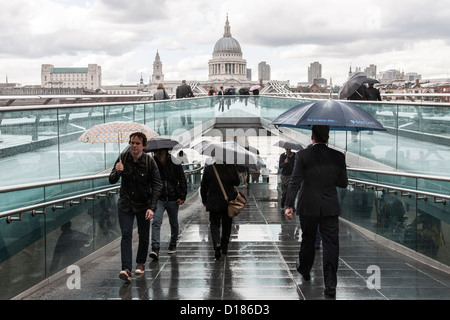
(306, 276)
(172, 249)
(154, 254)
(330, 291)
(218, 253)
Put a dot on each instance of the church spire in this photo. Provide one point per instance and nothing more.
(227, 31)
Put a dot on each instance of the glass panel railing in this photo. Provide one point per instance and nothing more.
(421, 223)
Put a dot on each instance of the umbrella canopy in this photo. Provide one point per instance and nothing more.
(338, 115)
(228, 152)
(161, 143)
(117, 131)
(353, 84)
(256, 86)
(288, 145)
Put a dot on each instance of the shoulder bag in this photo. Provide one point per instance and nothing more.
(234, 206)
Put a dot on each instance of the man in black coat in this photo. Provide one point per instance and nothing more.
(318, 170)
(184, 91)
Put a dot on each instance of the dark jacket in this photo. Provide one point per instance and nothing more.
(174, 184)
(141, 184)
(359, 94)
(210, 191)
(317, 172)
(373, 94)
(286, 168)
(184, 91)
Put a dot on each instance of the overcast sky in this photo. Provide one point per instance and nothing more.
(123, 36)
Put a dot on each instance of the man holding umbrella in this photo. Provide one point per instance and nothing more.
(318, 170)
(139, 192)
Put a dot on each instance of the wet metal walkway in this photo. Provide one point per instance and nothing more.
(260, 265)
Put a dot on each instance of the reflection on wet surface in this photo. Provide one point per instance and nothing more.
(260, 264)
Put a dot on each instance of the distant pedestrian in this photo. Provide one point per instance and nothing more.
(184, 91)
(286, 166)
(373, 93)
(161, 94)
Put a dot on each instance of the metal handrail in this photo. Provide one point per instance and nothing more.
(401, 174)
(406, 192)
(56, 204)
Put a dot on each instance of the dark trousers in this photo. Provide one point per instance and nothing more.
(126, 220)
(216, 219)
(329, 230)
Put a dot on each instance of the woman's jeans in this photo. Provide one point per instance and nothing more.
(126, 220)
(172, 212)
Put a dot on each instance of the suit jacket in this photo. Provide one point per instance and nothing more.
(184, 91)
(318, 170)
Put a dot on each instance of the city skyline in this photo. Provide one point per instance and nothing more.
(123, 37)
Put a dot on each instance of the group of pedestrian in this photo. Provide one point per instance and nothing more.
(152, 185)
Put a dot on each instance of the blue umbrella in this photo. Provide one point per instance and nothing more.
(338, 115)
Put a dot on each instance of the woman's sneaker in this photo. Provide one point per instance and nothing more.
(125, 275)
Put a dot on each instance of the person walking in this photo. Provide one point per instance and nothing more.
(139, 174)
(214, 201)
(285, 165)
(161, 94)
(318, 170)
(184, 91)
(173, 195)
(373, 93)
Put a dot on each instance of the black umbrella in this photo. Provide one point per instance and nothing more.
(158, 143)
(161, 143)
(338, 115)
(288, 145)
(353, 84)
(229, 152)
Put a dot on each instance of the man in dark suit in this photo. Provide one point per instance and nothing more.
(318, 170)
(184, 91)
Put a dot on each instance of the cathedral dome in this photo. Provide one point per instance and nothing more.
(227, 44)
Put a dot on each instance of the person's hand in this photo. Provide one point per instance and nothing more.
(149, 214)
(180, 202)
(288, 213)
(119, 166)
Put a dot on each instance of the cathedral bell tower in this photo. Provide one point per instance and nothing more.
(157, 75)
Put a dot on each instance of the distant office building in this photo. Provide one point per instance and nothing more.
(263, 71)
(87, 78)
(412, 76)
(314, 71)
(371, 71)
